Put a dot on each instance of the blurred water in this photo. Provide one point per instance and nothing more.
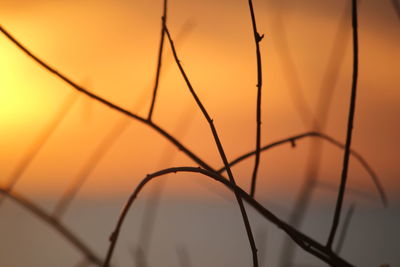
(211, 233)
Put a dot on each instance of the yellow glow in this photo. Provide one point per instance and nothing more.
(19, 104)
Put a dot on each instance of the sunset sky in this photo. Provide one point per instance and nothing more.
(110, 47)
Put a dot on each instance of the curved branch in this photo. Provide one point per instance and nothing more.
(325, 137)
(307, 243)
(52, 222)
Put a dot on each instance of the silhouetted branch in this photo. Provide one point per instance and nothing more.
(33, 151)
(159, 60)
(295, 138)
(53, 223)
(345, 227)
(220, 150)
(107, 103)
(342, 188)
(101, 150)
(308, 244)
(257, 40)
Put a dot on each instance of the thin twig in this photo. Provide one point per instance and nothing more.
(220, 150)
(346, 157)
(307, 243)
(107, 103)
(103, 147)
(292, 139)
(53, 223)
(345, 227)
(159, 60)
(39, 143)
(257, 40)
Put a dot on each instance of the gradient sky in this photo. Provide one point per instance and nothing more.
(111, 47)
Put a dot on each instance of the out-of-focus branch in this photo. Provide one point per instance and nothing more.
(103, 147)
(307, 243)
(345, 228)
(39, 143)
(53, 223)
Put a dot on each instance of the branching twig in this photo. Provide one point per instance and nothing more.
(307, 243)
(342, 188)
(257, 40)
(102, 148)
(53, 223)
(295, 138)
(159, 60)
(107, 103)
(220, 150)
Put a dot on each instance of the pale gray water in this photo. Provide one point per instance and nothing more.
(211, 233)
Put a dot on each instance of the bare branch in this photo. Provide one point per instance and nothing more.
(53, 223)
(100, 151)
(307, 243)
(159, 60)
(257, 40)
(107, 103)
(342, 188)
(220, 150)
(314, 157)
(295, 138)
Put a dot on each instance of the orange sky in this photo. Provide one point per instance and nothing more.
(111, 48)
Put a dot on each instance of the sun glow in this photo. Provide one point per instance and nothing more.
(19, 104)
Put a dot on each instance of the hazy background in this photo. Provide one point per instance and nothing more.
(111, 47)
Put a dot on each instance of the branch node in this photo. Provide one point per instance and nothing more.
(293, 143)
(259, 37)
